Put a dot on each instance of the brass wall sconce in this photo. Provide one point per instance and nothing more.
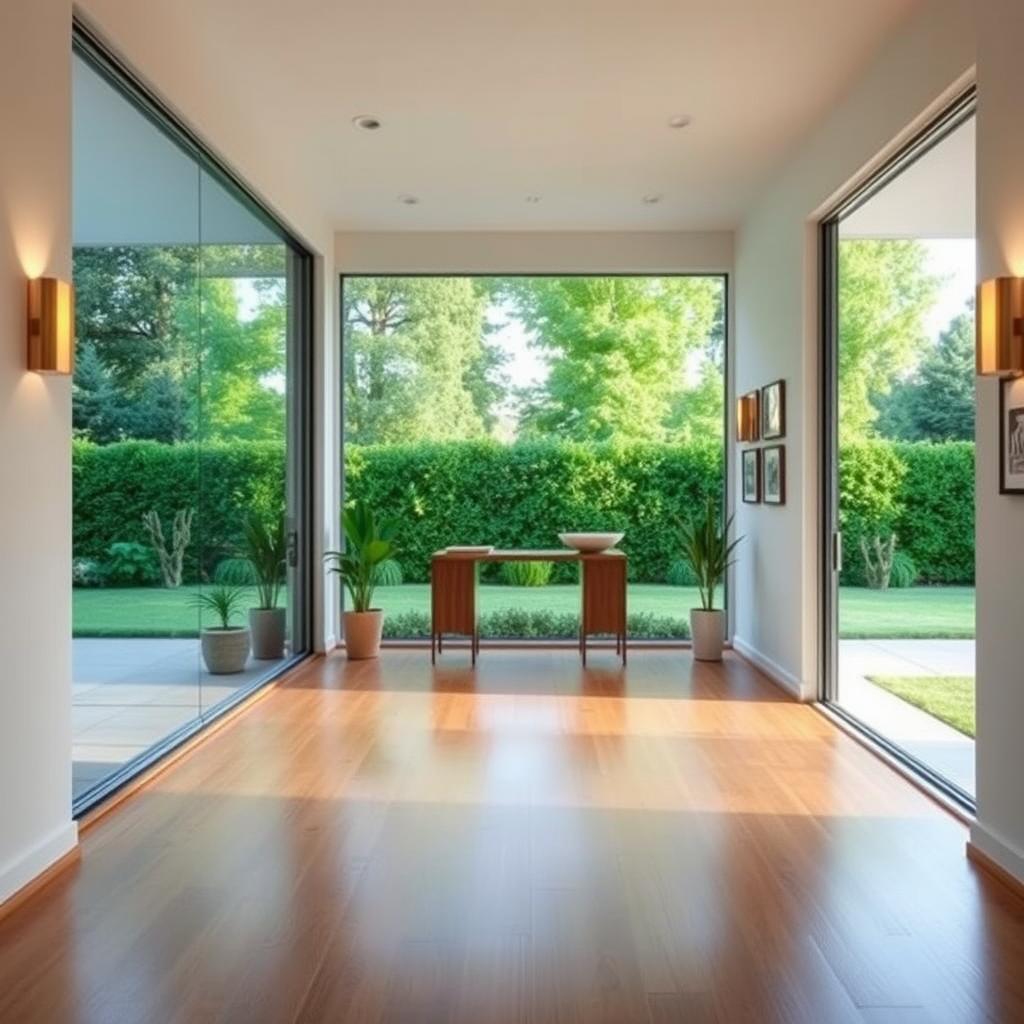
(51, 326)
(748, 417)
(999, 327)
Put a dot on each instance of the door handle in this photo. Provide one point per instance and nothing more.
(837, 551)
(292, 549)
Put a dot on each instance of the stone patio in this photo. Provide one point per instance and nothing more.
(942, 748)
(128, 694)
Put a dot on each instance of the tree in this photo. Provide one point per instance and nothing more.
(885, 291)
(937, 402)
(617, 350)
(417, 362)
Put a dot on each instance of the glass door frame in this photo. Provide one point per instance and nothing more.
(300, 399)
(956, 113)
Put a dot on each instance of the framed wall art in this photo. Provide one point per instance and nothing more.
(751, 465)
(773, 410)
(1011, 436)
(773, 471)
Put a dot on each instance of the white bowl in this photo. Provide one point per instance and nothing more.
(590, 543)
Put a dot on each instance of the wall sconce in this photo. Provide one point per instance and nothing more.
(748, 420)
(999, 330)
(51, 326)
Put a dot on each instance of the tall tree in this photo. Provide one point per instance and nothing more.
(937, 402)
(617, 349)
(885, 292)
(417, 362)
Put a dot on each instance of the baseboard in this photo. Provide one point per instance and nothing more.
(997, 856)
(775, 672)
(22, 877)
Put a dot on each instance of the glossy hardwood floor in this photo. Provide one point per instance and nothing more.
(526, 842)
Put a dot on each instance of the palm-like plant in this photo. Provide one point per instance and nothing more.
(708, 550)
(369, 544)
(266, 550)
(224, 600)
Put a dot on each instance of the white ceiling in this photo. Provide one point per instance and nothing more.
(484, 103)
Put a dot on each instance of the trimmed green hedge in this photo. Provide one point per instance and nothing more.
(115, 484)
(521, 495)
(921, 491)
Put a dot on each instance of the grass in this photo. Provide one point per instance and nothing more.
(929, 613)
(920, 612)
(948, 698)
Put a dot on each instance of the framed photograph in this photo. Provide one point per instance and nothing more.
(1011, 436)
(774, 472)
(751, 475)
(773, 410)
(748, 416)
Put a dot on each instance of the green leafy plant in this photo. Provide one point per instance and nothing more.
(368, 544)
(224, 600)
(130, 564)
(526, 574)
(680, 574)
(266, 550)
(708, 550)
(904, 570)
(389, 573)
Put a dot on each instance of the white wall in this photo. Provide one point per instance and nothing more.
(777, 331)
(533, 252)
(999, 830)
(35, 448)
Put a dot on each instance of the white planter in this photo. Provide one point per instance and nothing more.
(707, 630)
(268, 632)
(225, 651)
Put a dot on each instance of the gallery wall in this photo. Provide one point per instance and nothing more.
(777, 328)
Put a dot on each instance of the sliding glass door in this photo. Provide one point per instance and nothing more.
(190, 454)
(899, 466)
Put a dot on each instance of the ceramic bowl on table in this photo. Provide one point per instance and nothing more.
(590, 543)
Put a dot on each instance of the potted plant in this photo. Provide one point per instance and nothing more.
(225, 647)
(708, 550)
(265, 551)
(367, 554)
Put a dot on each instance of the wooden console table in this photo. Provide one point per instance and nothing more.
(453, 594)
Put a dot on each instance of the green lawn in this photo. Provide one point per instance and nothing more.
(940, 612)
(948, 698)
(945, 613)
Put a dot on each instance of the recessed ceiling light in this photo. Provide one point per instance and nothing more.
(652, 198)
(366, 122)
(533, 199)
(679, 121)
(408, 200)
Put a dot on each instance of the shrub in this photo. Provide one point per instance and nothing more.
(389, 573)
(904, 570)
(526, 574)
(680, 574)
(86, 572)
(130, 564)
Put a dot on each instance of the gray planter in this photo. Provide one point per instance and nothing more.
(707, 630)
(268, 632)
(225, 651)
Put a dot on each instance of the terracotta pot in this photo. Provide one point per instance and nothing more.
(707, 630)
(362, 633)
(268, 632)
(225, 651)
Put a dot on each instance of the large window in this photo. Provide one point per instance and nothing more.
(901, 465)
(190, 319)
(502, 411)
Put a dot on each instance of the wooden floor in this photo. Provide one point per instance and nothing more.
(527, 842)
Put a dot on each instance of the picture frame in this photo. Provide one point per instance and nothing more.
(750, 472)
(773, 410)
(748, 417)
(1011, 436)
(773, 473)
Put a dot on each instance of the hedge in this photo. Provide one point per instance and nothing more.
(520, 495)
(921, 491)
